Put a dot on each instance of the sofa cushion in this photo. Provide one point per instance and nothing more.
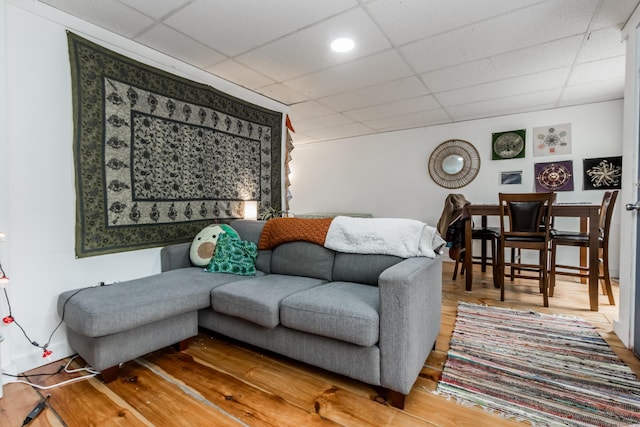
(302, 259)
(258, 300)
(248, 229)
(341, 310)
(103, 310)
(361, 268)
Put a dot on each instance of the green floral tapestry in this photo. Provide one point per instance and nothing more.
(158, 157)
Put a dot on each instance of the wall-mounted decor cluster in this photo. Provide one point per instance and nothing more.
(602, 173)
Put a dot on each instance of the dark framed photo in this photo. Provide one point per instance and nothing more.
(508, 145)
(602, 173)
(511, 178)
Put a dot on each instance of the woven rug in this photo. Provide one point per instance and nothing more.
(548, 370)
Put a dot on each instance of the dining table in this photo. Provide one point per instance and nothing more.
(589, 222)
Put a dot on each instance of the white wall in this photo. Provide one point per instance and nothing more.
(387, 175)
(39, 209)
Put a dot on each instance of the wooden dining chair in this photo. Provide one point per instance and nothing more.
(580, 239)
(521, 215)
(451, 226)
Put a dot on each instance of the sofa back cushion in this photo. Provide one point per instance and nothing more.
(302, 259)
(248, 229)
(361, 268)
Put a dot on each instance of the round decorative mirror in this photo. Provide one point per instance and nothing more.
(454, 163)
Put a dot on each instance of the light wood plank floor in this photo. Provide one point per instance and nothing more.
(219, 382)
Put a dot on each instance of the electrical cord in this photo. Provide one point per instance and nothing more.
(11, 319)
(91, 371)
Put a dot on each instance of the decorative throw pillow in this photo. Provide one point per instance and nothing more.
(204, 244)
(234, 256)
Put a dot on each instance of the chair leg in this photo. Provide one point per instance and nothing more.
(552, 268)
(494, 262)
(483, 256)
(544, 282)
(455, 270)
(500, 277)
(607, 277)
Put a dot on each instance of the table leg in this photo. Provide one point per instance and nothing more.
(468, 254)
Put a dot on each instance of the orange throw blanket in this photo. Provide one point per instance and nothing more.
(282, 230)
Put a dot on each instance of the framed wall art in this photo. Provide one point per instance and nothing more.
(554, 176)
(511, 178)
(552, 140)
(602, 173)
(508, 145)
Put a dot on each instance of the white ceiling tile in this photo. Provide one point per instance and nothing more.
(169, 41)
(556, 54)
(392, 109)
(322, 122)
(239, 74)
(377, 94)
(156, 8)
(594, 71)
(604, 90)
(237, 26)
(309, 109)
(601, 44)
(613, 13)
(108, 14)
(308, 50)
(475, 58)
(527, 27)
(355, 129)
(375, 69)
(504, 106)
(423, 118)
(508, 87)
(425, 18)
(282, 94)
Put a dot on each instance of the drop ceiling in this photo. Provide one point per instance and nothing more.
(416, 62)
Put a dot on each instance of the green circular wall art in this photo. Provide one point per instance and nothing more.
(508, 145)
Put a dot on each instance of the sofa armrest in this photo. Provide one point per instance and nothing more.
(410, 311)
(175, 256)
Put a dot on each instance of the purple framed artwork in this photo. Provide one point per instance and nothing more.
(554, 176)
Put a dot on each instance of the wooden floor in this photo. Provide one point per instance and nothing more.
(218, 382)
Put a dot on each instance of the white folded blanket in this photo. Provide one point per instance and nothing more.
(401, 237)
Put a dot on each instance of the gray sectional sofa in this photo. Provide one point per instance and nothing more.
(374, 318)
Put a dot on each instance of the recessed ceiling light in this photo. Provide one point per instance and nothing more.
(342, 44)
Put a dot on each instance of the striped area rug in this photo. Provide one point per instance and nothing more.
(548, 370)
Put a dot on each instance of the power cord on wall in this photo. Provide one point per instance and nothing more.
(9, 319)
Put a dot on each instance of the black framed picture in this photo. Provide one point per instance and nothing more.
(602, 173)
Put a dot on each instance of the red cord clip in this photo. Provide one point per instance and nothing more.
(8, 319)
(46, 353)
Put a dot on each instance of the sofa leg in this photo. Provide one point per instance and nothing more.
(181, 346)
(395, 398)
(110, 374)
